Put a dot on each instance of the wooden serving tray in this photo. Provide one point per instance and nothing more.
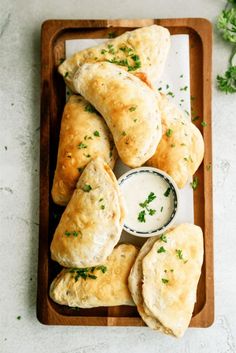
(54, 34)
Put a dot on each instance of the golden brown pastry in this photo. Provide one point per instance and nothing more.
(84, 135)
(104, 285)
(171, 272)
(135, 286)
(143, 50)
(92, 222)
(181, 149)
(128, 105)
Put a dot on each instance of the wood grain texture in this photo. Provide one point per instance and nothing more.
(54, 34)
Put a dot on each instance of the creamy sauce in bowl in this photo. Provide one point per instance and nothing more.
(151, 199)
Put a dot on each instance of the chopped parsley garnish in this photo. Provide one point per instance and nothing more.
(163, 238)
(102, 207)
(123, 133)
(102, 268)
(100, 200)
(80, 169)
(161, 249)
(87, 188)
(150, 198)
(208, 167)
(203, 123)
(184, 88)
(111, 34)
(195, 118)
(74, 233)
(167, 192)
(132, 109)
(137, 63)
(124, 62)
(161, 208)
(103, 51)
(151, 212)
(169, 132)
(87, 155)
(87, 272)
(89, 108)
(141, 216)
(182, 144)
(96, 133)
(18, 317)
(111, 49)
(181, 76)
(55, 215)
(195, 183)
(126, 49)
(170, 94)
(164, 280)
(92, 276)
(66, 74)
(172, 145)
(82, 145)
(179, 253)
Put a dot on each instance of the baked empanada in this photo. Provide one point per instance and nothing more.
(92, 222)
(104, 285)
(171, 272)
(84, 135)
(129, 107)
(135, 285)
(142, 50)
(181, 149)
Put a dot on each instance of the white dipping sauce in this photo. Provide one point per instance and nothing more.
(135, 189)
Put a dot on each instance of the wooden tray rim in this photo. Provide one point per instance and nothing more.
(202, 27)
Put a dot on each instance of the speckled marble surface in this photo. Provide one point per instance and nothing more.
(19, 155)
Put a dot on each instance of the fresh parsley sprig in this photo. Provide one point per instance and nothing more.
(227, 82)
(226, 25)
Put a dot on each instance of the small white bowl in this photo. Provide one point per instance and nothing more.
(136, 185)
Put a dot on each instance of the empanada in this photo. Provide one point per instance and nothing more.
(171, 272)
(142, 50)
(104, 285)
(129, 107)
(92, 222)
(84, 135)
(181, 149)
(135, 285)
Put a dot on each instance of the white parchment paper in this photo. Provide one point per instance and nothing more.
(175, 82)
